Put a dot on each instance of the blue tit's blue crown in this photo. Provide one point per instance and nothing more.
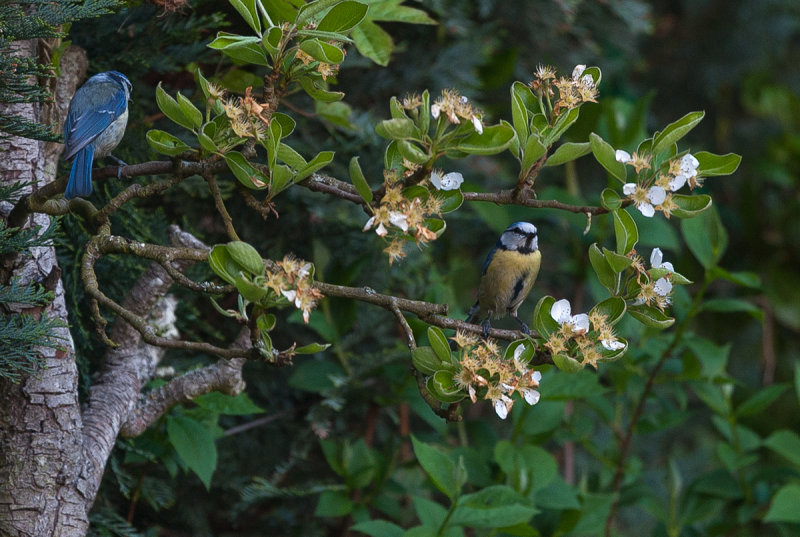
(521, 237)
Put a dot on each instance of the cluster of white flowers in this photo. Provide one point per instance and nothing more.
(658, 196)
(584, 331)
(456, 107)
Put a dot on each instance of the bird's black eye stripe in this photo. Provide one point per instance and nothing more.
(523, 233)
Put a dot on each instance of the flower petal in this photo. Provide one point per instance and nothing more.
(436, 180)
(369, 223)
(656, 195)
(656, 257)
(662, 287)
(398, 219)
(623, 157)
(612, 344)
(518, 352)
(628, 188)
(435, 110)
(476, 123)
(451, 181)
(689, 164)
(578, 71)
(381, 230)
(561, 311)
(501, 407)
(536, 376)
(531, 396)
(646, 209)
(677, 182)
(580, 323)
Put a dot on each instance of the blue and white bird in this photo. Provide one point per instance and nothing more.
(508, 276)
(95, 125)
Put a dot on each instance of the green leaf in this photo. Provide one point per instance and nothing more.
(397, 129)
(706, 238)
(442, 387)
(333, 503)
(542, 320)
(610, 199)
(439, 467)
(713, 165)
(272, 38)
(246, 257)
(426, 360)
(650, 316)
(359, 181)
(733, 305)
(608, 278)
(562, 124)
(222, 264)
(232, 405)
(281, 177)
(783, 507)
(311, 10)
(617, 262)
(194, 444)
(690, 206)
(495, 506)
(625, 230)
(412, 152)
(190, 111)
(343, 17)
(290, 157)
(322, 159)
(533, 151)
(171, 108)
(206, 141)
(439, 343)
(613, 308)
(493, 140)
(604, 154)
(317, 89)
(785, 443)
(759, 401)
(373, 42)
(567, 364)
(245, 172)
(246, 49)
(165, 143)
(322, 51)
(675, 131)
(568, 152)
(379, 528)
(249, 12)
(743, 278)
(249, 290)
(521, 98)
(312, 348)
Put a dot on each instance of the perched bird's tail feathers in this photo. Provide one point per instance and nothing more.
(80, 178)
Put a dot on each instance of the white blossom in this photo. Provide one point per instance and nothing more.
(561, 312)
(477, 124)
(612, 344)
(623, 157)
(657, 260)
(531, 396)
(449, 181)
(398, 219)
(578, 71)
(435, 110)
(662, 287)
(502, 405)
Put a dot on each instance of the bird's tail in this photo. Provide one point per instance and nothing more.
(80, 178)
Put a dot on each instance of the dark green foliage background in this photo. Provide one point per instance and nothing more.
(736, 60)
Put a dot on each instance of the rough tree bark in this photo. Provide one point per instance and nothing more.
(53, 451)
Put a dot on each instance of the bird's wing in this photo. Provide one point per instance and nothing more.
(100, 104)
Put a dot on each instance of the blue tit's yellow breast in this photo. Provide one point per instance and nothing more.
(507, 281)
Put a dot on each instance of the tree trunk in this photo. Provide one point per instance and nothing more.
(40, 418)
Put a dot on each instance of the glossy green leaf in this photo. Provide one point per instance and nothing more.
(266, 322)
(533, 151)
(440, 467)
(322, 51)
(563, 123)
(245, 172)
(397, 129)
(412, 152)
(320, 160)
(567, 364)
(425, 360)
(441, 388)
(249, 290)
(272, 39)
(690, 206)
(439, 343)
(650, 316)
(165, 143)
(613, 308)
(246, 256)
(450, 199)
(343, 17)
(317, 89)
(206, 142)
(713, 165)
(605, 155)
(608, 278)
(542, 320)
(675, 131)
(493, 140)
(373, 42)
(520, 97)
(783, 507)
(617, 262)
(359, 181)
(290, 157)
(171, 108)
(312, 10)
(625, 230)
(568, 152)
(194, 444)
(246, 49)
(282, 177)
(610, 199)
(311, 348)
(222, 264)
(249, 12)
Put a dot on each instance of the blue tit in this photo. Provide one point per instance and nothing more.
(508, 276)
(95, 125)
